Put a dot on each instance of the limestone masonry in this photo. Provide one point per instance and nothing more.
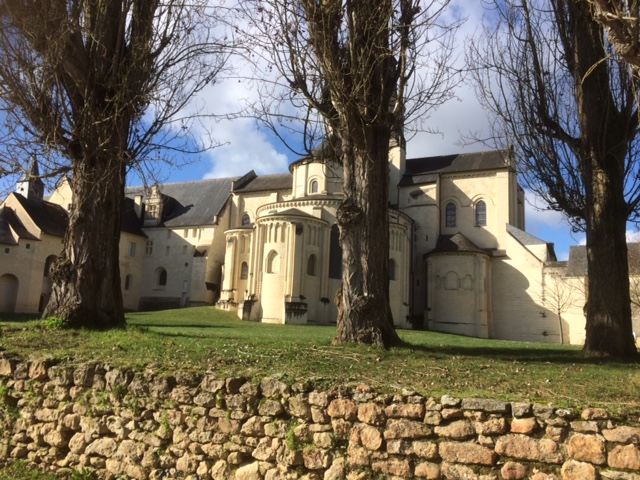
(124, 424)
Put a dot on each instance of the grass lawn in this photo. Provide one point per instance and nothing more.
(206, 339)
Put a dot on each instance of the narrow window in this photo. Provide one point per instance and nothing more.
(273, 262)
(246, 219)
(313, 186)
(335, 253)
(161, 277)
(132, 249)
(311, 266)
(148, 250)
(392, 269)
(450, 212)
(47, 265)
(127, 282)
(481, 214)
(244, 271)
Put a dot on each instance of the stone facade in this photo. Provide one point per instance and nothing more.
(140, 425)
(267, 247)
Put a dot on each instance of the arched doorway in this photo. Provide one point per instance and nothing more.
(8, 293)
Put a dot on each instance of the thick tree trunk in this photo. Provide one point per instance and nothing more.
(608, 327)
(86, 277)
(364, 312)
(603, 150)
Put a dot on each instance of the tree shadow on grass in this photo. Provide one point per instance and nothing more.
(514, 354)
(176, 325)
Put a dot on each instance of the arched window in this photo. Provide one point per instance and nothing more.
(450, 213)
(47, 265)
(335, 253)
(481, 214)
(246, 219)
(311, 266)
(244, 271)
(127, 282)
(161, 277)
(313, 186)
(451, 281)
(392, 269)
(273, 262)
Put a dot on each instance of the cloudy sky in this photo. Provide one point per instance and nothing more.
(248, 147)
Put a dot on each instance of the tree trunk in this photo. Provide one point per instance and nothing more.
(364, 312)
(86, 277)
(609, 329)
(603, 150)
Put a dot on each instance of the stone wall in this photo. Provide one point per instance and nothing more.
(141, 425)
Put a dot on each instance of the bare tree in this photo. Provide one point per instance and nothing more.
(569, 110)
(561, 294)
(93, 88)
(353, 70)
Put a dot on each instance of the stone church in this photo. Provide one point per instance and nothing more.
(266, 247)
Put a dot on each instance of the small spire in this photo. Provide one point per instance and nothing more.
(31, 185)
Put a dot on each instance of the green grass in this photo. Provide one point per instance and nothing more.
(208, 340)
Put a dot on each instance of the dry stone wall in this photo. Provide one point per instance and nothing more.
(140, 425)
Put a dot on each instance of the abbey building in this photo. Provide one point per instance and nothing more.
(267, 247)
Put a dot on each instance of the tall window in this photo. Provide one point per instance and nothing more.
(161, 277)
(148, 249)
(244, 271)
(127, 282)
(481, 214)
(132, 249)
(392, 269)
(313, 186)
(450, 213)
(311, 266)
(246, 219)
(335, 253)
(273, 262)
(47, 265)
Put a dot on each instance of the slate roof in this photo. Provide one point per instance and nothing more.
(426, 169)
(457, 243)
(527, 239)
(6, 238)
(577, 263)
(52, 219)
(266, 183)
(130, 222)
(523, 237)
(190, 203)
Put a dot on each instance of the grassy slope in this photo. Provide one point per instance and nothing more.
(205, 339)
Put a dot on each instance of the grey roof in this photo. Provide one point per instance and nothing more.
(52, 219)
(426, 169)
(292, 212)
(523, 237)
(527, 239)
(277, 181)
(457, 243)
(577, 263)
(130, 222)
(6, 217)
(191, 203)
